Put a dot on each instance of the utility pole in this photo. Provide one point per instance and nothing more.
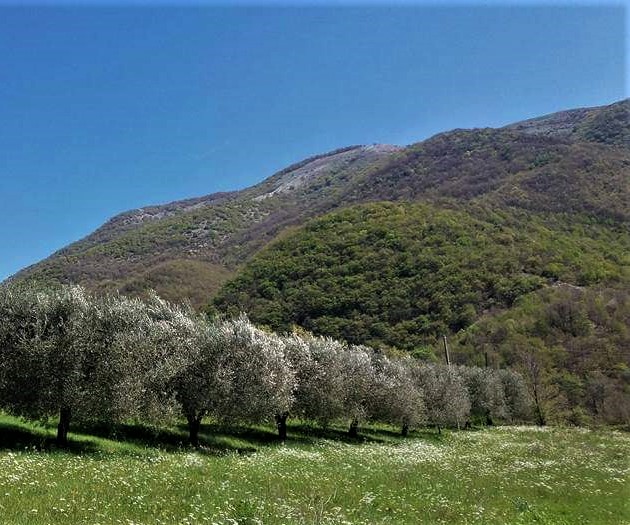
(448, 361)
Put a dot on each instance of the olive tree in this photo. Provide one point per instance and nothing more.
(517, 399)
(397, 399)
(44, 363)
(445, 394)
(80, 357)
(298, 355)
(58, 352)
(485, 392)
(359, 385)
(254, 379)
(320, 379)
(196, 383)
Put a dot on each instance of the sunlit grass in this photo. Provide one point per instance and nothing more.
(511, 475)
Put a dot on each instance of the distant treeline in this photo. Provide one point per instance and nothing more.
(66, 353)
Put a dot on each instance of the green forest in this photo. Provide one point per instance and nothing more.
(508, 283)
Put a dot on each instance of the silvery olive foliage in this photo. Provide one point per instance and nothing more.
(66, 353)
(445, 394)
(517, 399)
(485, 392)
(321, 380)
(195, 383)
(22, 363)
(71, 357)
(175, 340)
(255, 379)
(359, 385)
(396, 398)
(46, 370)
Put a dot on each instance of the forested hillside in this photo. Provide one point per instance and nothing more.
(188, 249)
(402, 274)
(573, 342)
(514, 243)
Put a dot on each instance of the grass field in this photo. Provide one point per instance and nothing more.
(511, 475)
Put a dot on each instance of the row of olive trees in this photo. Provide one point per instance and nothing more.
(112, 358)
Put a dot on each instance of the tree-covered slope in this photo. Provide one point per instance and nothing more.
(507, 168)
(403, 274)
(159, 246)
(607, 125)
(574, 341)
(547, 293)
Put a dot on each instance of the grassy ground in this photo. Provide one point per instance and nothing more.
(511, 475)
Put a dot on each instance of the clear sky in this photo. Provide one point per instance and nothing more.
(113, 107)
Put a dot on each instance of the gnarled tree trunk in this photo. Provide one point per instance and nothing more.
(353, 431)
(194, 424)
(64, 425)
(281, 424)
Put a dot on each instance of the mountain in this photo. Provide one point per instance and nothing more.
(188, 249)
(461, 224)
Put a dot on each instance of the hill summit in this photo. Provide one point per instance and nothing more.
(570, 162)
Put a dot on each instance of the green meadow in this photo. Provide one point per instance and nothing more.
(140, 475)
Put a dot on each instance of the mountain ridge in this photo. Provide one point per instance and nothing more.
(219, 232)
(198, 229)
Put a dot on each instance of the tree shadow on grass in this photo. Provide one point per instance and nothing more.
(22, 436)
(219, 439)
(428, 434)
(136, 434)
(239, 439)
(16, 437)
(308, 433)
(215, 438)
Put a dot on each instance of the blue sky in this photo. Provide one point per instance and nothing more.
(111, 107)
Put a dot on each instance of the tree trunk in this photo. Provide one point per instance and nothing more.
(439, 429)
(63, 426)
(534, 373)
(281, 423)
(404, 431)
(194, 424)
(540, 416)
(353, 431)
